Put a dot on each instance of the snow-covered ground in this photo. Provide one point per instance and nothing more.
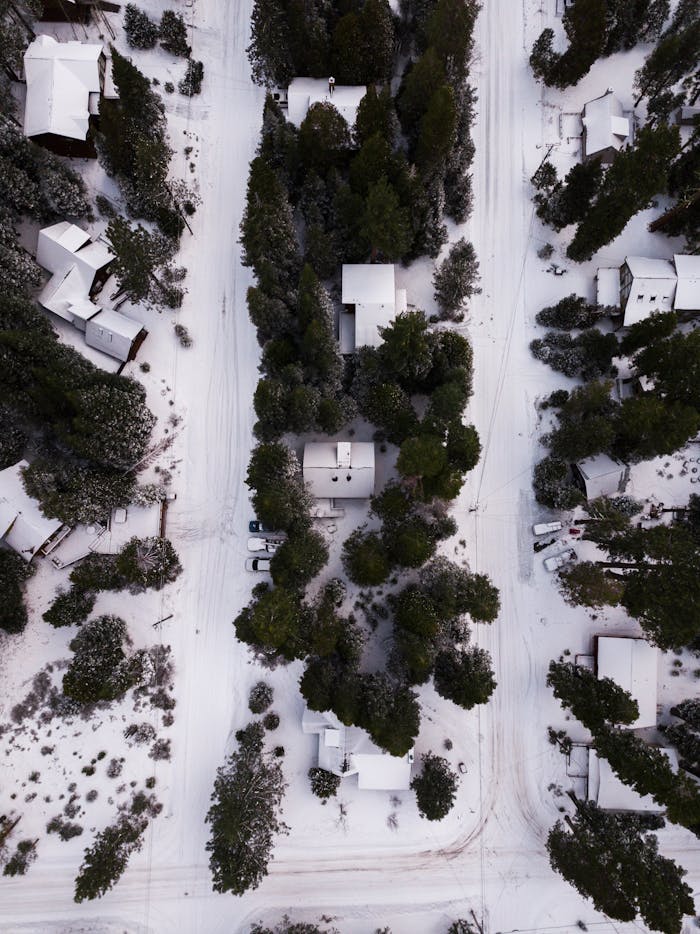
(488, 855)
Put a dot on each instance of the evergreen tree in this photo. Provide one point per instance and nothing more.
(688, 710)
(571, 312)
(105, 861)
(435, 787)
(464, 676)
(148, 563)
(74, 492)
(456, 279)
(586, 584)
(299, 559)
(569, 202)
(436, 134)
(14, 571)
(687, 742)
(268, 52)
(324, 138)
(648, 426)
(389, 712)
(141, 32)
(632, 21)
(376, 114)
(243, 816)
(385, 223)
(614, 861)
(420, 82)
(139, 255)
(553, 484)
(70, 608)
(280, 498)
(449, 30)
(274, 623)
(100, 669)
(365, 559)
(173, 34)
(594, 701)
(674, 56)
(324, 784)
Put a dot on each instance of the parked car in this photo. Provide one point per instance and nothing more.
(262, 544)
(257, 564)
(558, 561)
(546, 528)
(255, 526)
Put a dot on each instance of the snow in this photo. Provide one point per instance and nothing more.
(688, 285)
(339, 470)
(608, 287)
(604, 126)
(60, 79)
(22, 524)
(606, 789)
(488, 855)
(371, 288)
(113, 333)
(602, 475)
(302, 93)
(633, 665)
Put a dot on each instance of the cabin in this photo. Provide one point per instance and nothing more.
(80, 267)
(606, 129)
(303, 93)
(65, 81)
(643, 286)
(600, 475)
(612, 794)
(371, 301)
(633, 665)
(347, 750)
(23, 526)
(339, 469)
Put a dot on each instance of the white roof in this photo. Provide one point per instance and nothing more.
(612, 794)
(303, 92)
(22, 525)
(118, 324)
(602, 475)
(327, 479)
(60, 78)
(348, 750)
(633, 665)
(642, 267)
(368, 283)
(604, 124)
(608, 287)
(688, 287)
(67, 252)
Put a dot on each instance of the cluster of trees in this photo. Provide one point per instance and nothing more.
(243, 816)
(100, 669)
(672, 61)
(595, 28)
(685, 736)
(14, 572)
(356, 43)
(143, 33)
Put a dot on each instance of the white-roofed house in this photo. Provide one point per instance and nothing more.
(302, 93)
(23, 526)
(606, 129)
(348, 750)
(80, 266)
(371, 289)
(612, 794)
(688, 282)
(64, 83)
(608, 287)
(600, 475)
(339, 469)
(632, 664)
(646, 285)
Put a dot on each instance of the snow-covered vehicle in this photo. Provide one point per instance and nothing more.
(257, 564)
(546, 528)
(558, 561)
(262, 544)
(255, 526)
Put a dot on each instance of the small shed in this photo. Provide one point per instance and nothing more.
(370, 288)
(23, 526)
(114, 334)
(632, 664)
(347, 750)
(64, 83)
(302, 93)
(339, 469)
(600, 475)
(688, 282)
(612, 794)
(606, 129)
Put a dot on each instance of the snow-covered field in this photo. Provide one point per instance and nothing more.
(488, 855)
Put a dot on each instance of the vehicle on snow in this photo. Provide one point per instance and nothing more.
(558, 561)
(546, 528)
(262, 544)
(257, 564)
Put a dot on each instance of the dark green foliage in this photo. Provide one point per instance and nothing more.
(105, 861)
(14, 571)
(173, 34)
(274, 623)
(571, 312)
(568, 202)
(674, 365)
(286, 926)
(269, 53)
(365, 559)
(145, 563)
(614, 861)
(436, 133)
(21, 859)
(648, 426)
(435, 787)
(13, 440)
(100, 669)
(687, 742)
(324, 139)
(585, 27)
(260, 697)
(648, 331)
(324, 784)
(247, 794)
(632, 21)
(553, 484)
(74, 492)
(675, 54)
(456, 279)
(385, 225)
(192, 82)
(376, 115)
(280, 498)
(455, 591)
(592, 700)
(299, 559)
(141, 257)
(70, 608)
(586, 425)
(589, 355)
(630, 183)
(586, 584)
(688, 710)
(464, 676)
(141, 32)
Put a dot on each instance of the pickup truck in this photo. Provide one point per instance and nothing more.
(546, 528)
(262, 544)
(558, 561)
(257, 564)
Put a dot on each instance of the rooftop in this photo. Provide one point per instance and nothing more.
(633, 665)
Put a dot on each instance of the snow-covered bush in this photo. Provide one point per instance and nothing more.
(100, 669)
(456, 279)
(173, 34)
(435, 787)
(148, 562)
(107, 858)
(324, 784)
(141, 32)
(192, 82)
(70, 608)
(260, 698)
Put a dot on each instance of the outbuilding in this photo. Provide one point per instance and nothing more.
(339, 469)
(600, 475)
(303, 93)
(632, 664)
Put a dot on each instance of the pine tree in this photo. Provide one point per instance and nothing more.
(420, 82)
(299, 559)
(268, 51)
(141, 32)
(14, 571)
(632, 21)
(436, 134)
(674, 56)
(324, 138)
(74, 492)
(593, 701)
(449, 30)
(243, 816)
(569, 201)
(456, 279)
(280, 498)
(586, 584)
(385, 223)
(688, 710)
(100, 669)
(105, 861)
(465, 676)
(614, 861)
(553, 484)
(148, 563)
(569, 313)
(365, 559)
(173, 34)
(324, 784)
(435, 787)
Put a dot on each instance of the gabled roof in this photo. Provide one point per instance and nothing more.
(643, 267)
(303, 92)
(118, 324)
(602, 475)
(60, 76)
(328, 476)
(368, 283)
(633, 665)
(608, 287)
(604, 124)
(22, 524)
(688, 287)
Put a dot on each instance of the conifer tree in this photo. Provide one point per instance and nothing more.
(591, 700)
(435, 787)
(105, 861)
